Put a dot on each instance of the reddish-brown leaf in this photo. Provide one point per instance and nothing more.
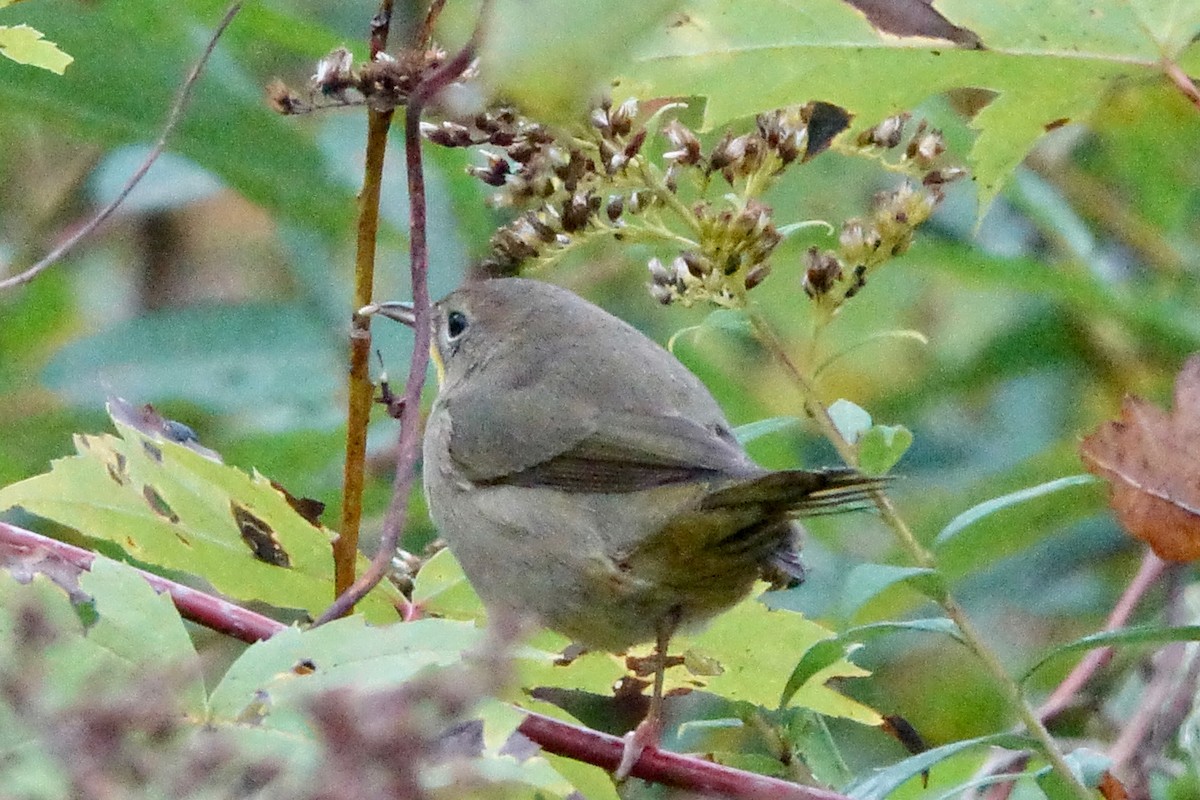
(1151, 460)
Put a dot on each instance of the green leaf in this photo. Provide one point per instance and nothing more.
(345, 652)
(866, 581)
(887, 780)
(827, 652)
(116, 97)
(224, 357)
(850, 420)
(725, 320)
(165, 504)
(65, 666)
(589, 781)
(764, 427)
(809, 735)
(71, 660)
(142, 626)
(1145, 634)
(756, 647)
(1046, 62)
(441, 589)
(1089, 767)
(25, 45)
(976, 513)
(881, 447)
(553, 67)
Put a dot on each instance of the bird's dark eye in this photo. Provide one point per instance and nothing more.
(456, 323)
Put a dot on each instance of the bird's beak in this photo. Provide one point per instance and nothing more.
(398, 310)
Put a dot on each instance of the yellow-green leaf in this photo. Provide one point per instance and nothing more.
(757, 648)
(166, 504)
(25, 45)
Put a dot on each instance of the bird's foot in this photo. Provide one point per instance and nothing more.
(646, 734)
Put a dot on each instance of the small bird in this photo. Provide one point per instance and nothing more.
(583, 476)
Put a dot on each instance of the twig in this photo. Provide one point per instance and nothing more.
(199, 607)
(661, 766)
(181, 101)
(923, 558)
(1064, 694)
(1148, 574)
(425, 34)
(408, 448)
(359, 389)
(1182, 81)
(562, 738)
(1127, 752)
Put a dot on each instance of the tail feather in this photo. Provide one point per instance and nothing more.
(800, 491)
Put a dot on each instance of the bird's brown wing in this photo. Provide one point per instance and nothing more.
(606, 452)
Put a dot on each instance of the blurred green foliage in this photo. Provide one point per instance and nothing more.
(220, 293)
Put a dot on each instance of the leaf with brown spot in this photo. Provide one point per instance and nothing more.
(914, 18)
(172, 508)
(158, 505)
(1151, 460)
(257, 534)
(306, 507)
(147, 420)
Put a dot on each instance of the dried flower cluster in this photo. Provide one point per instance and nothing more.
(834, 276)
(383, 83)
(599, 181)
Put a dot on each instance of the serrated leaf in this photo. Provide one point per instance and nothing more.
(165, 504)
(25, 45)
(345, 652)
(1145, 634)
(756, 648)
(1047, 62)
(866, 581)
(749, 648)
(881, 447)
(889, 779)
(850, 420)
(140, 625)
(976, 513)
(553, 67)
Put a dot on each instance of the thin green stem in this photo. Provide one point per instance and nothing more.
(654, 181)
(922, 557)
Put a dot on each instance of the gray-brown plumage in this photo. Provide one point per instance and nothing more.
(580, 473)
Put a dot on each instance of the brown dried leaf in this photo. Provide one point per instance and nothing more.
(1151, 460)
(1112, 789)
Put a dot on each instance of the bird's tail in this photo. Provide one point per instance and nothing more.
(800, 491)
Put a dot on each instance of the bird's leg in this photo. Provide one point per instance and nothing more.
(649, 730)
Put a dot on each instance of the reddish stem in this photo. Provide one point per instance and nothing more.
(561, 738)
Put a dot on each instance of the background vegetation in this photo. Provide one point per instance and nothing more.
(1060, 279)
